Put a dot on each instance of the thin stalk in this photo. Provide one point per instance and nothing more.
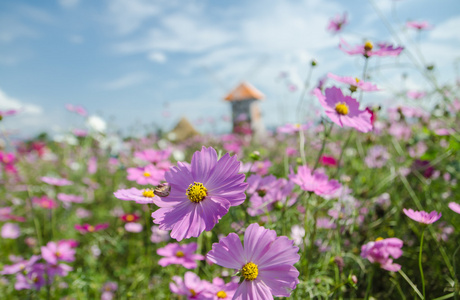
(326, 135)
(369, 284)
(36, 223)
(414, 287)
(420, 263)
(363, 78)
(342, 151)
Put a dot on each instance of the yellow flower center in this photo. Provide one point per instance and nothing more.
(129, 218)
(196, 192)
(147, 174)
(368, 46)
(91, 228)
(148, 193)
(341, 108)
(221, 294)
(250, 271)
(58, 254)
(379, 239)
(297, 126)
(357, 80)
(180, 254)
(192, 291)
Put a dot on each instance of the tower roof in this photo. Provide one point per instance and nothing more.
(244, 91)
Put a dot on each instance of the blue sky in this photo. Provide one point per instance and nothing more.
(130, 61)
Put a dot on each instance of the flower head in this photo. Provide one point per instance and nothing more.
(455, 207)
(56, 181)
(201, 193)
(191, 286)
(45, 202)
(354, 83)
(145, 196)
(336, 24)
(419, 25)
(367, 50)
(314, 181)
(54, 252)
(344, 110)
(146, 175)
(265, 263)
(381, 252)
(422, 216)
(10, 231)
(175, 254)
(85, 228)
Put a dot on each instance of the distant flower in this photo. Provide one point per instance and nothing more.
(71, 243)
(292, 128)
(76, 109)
(222, 291)
(56, 181)
(129, 218)
(400, 130)
(354, 83)
(153, 156)
(258, 167)
(298, 234)
(146, 175)
(381, 252)
(424, 167)
(54, 252)
(10, 231)
(317, 181)
(4, 113)
(337, 23)
(377, 156)
(266, 263)
(20, 265)
(85, 228)
(145, 196)
(92, 165)
(175, 254)
(367, 50)
(159, 235)
(262, 192)
(191, 286)
(133, 227)
(422, 216)
(45, 202)
(70, 198)
(290, 152)
(328, 161)
(325, 223)
(108, 290)
(419, 25)
(83, 213)
(344, 110)
(96, 123)
(415, 95)
(455, 207)
(80, 132)
(201, 194)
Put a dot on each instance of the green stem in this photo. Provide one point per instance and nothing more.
(414, 287)
(369, 284)
(420, 264)
(342, 151)
(326, 135)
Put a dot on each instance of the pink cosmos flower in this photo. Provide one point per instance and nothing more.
(70, 198)
(71, 243)
(380, 252)
(344, 110)
(377, 156)
(133, 227)
(4, 113)
(191, 286)
(92, 165)
(108, 290)
(415, 95)
(85, 228)
(316, 182)
(266, 262)
(258, 167)
(56, 181)
(76, 109)
(455, 207)
(10, 231)
(45, 202)
(129, 218)
(262, 192)
(146, 175)
(80, 132)
(422, 216)
(5, 215)
(176, 254)
(153, 156)
(292, 128)
(20, 265)
(325, 223)
(139, 196)
(419, 25)
(354, 83)
(336, 24)
(54, 252)
(201, 194)
(367, 50)
(328, 161)
(159, 235)
(222, 291)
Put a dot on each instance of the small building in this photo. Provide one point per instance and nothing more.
(182, 131)
(246, 114)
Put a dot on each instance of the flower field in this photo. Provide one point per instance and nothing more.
(357, 203)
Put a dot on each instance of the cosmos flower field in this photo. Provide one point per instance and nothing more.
(359, 203)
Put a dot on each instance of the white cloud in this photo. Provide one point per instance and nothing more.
(128, 15)
(158, 57)
(16, 30)
(125, 81)
(7, 102)
(68, 3)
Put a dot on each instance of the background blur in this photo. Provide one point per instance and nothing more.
(144, 64)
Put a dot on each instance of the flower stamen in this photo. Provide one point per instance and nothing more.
(180, 254)
(148, 193)
(250, 271)
(221, 294)
(147, 174)
(196, 192)
(341, 108)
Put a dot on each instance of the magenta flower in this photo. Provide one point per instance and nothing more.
(316, 182)
(336, 24)
(191, 286)
(85, 228)
(10, 231)
(201, 194)
(70, 198)
(129, 218)
(419, 25)
(293, 128)
(259, 167)
(153, 156)
(56, 181)
(20, 265)
(45, 202)
(344, 110)
(377, 156)
(328, 161)
(455, 207)
(367, 50)
(54, 252)
(265, 263)
(220, 290)
(422, 216)
(381, 252)
(176, 254)
(354, 83)
(146, 175)
(10, 112)
(139, 196)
